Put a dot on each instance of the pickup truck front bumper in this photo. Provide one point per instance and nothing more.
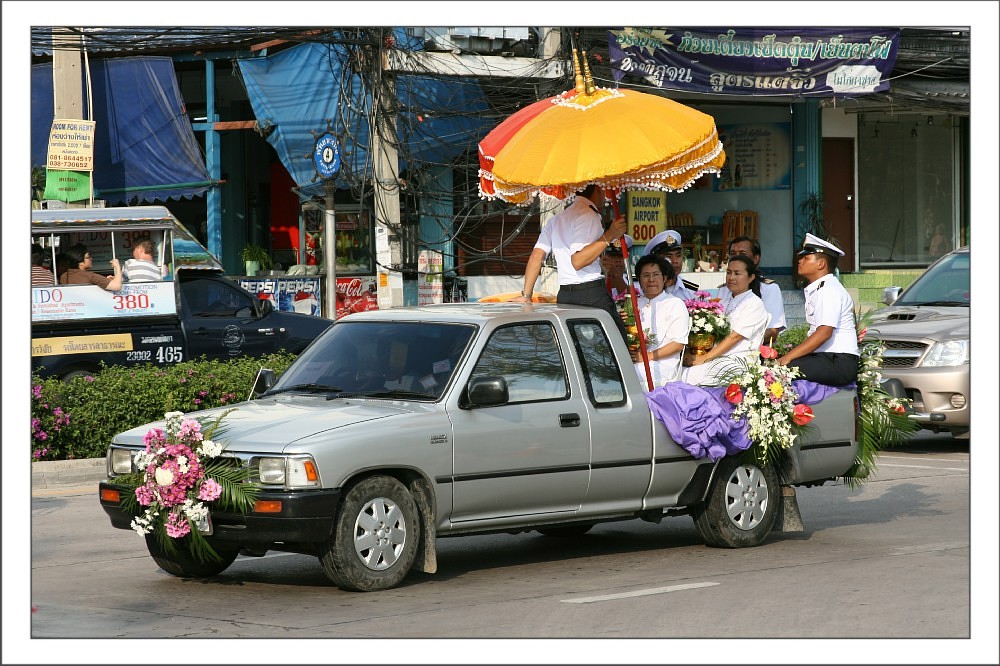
(306, 516)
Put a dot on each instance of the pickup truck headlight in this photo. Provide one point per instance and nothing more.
(289, 472)
(950, 353)
(120, 461)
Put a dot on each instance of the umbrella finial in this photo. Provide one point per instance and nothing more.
(588, 79)
(579, 77)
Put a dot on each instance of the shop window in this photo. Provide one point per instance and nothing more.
(908, 209)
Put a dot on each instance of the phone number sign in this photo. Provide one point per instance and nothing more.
(71, 145)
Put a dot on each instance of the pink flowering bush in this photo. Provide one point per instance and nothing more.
(179, 478)
(78, 418)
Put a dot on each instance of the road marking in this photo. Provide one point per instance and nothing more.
(948, 469)
(637, 593)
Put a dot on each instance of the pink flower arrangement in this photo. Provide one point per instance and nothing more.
(708, 315)
(175, 478)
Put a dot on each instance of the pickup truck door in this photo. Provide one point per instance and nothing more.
(221, 320)
(532, 455)
(620, 421)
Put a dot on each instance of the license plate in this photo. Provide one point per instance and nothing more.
(204, 525)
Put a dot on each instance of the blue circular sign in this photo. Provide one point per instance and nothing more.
(326, 156)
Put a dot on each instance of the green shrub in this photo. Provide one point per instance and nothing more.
(790, 337)
(78, 418)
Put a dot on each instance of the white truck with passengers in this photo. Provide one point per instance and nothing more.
(396, 428)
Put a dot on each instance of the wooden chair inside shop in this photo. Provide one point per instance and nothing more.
(683, 220)
(732, 226)
(748, 227)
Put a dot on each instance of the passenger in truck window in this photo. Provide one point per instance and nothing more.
(79, 270)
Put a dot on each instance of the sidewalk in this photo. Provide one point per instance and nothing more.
(53, 475)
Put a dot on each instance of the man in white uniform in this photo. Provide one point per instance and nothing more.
(577, 238)
(667, 244)
(829, 355)
(770, 292)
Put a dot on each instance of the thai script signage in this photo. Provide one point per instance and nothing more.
(751, 61)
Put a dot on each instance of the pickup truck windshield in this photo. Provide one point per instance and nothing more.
(946, 283)
(404, 360)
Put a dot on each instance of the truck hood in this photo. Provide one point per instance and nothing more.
(268, 425)
(935, 323)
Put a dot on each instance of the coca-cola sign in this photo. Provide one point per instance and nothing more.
(356, 294)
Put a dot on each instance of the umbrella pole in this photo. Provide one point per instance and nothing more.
(635, 300)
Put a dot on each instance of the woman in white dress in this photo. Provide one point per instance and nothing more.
(747, 320)
(664, 319)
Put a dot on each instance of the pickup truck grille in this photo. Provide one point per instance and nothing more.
(902, 354)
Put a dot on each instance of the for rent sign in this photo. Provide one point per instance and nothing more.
(71, 145)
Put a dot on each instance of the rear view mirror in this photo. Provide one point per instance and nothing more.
(262, 383)
(486, 391)
(890, 294)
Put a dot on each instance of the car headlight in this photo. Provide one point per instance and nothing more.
(288, 472)
(952, 352)
(120, 461)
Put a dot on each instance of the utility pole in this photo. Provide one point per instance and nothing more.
(388, 249)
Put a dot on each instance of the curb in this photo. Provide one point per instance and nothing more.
(54, 474)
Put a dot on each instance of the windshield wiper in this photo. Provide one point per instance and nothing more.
(933, 303)
(311, 388)
(392, 393)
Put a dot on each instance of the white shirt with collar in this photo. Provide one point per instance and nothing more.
(829, 304)
(576, 227)
(667, 318)
(770, 293)
(679, 290)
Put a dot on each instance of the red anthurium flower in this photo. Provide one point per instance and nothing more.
(768, 352)
(802, 414)
(734, 394)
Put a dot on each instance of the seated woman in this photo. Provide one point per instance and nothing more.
(747, 320)
(664, 320)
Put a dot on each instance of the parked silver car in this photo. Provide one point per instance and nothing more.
(926, 333)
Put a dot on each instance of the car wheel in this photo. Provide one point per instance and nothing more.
(565, 532)
(741, 507)
(184, 565)
(375, 536)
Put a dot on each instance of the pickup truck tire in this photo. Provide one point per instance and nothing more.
(185, 565)
(375, 536)
(741, 507)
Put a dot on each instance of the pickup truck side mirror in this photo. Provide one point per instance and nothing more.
(262, 382)
(890, 294)
(486, 391)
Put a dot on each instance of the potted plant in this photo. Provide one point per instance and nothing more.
(256, 258)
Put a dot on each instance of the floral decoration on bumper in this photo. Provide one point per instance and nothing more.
(762, 394)
(708, 315)
(180, 479)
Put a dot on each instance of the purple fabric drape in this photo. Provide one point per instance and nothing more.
(699, 418)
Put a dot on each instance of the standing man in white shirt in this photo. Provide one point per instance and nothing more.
(577, 237)
(829, 354)
(770, 292)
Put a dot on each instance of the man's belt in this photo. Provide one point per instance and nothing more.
(599, 282)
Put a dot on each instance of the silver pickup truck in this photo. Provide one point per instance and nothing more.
(397, 427)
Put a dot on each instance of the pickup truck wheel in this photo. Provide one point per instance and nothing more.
(741, 507)
(375, 536)
(185, 565)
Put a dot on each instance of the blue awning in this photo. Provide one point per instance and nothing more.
(294, 93)
(145, 149)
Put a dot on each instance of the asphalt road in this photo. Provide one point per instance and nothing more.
(890, 560)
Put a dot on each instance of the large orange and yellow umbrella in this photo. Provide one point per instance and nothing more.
(618, 139)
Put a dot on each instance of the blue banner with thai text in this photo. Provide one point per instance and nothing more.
(816, 62)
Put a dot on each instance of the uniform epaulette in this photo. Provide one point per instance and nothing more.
(721, 285)
(693, 286)
(767, 281)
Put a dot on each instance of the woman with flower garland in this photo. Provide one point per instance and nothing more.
(747, 320)
(664, 320)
